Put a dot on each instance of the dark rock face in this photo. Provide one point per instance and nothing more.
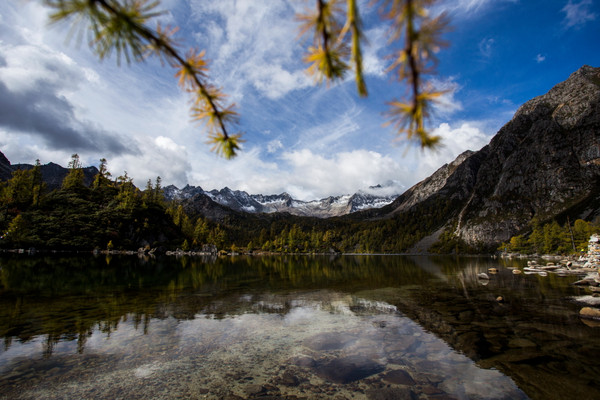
(543, 163)
(5, 168)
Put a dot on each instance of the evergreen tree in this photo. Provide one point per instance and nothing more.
(38, 186)
(127, 196)
(17, 233)
(102, 178)
(74, 178)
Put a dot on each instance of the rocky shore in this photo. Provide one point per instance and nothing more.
(587, 266)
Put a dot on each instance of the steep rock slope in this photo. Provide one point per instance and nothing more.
(436, 184)
(544, 163)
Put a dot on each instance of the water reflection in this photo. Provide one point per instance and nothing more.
(352, 327)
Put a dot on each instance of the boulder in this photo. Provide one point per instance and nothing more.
(590, 313)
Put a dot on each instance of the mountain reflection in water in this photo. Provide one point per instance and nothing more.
(372, 327)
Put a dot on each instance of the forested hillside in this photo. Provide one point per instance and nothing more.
(115, 214)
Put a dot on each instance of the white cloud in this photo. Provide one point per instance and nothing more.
(246, 172)
(454, 141)
(253, 43)
(316, 176)
(332, 134)
(168, 144)
(274, 145)
(28, 66)
(469, 6)
(305, 174)
(578, 14)
(159, 157)
(540, 58)
(486, 47)
(447, 103)
(373, 61)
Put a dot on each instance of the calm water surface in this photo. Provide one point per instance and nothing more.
(350, 327)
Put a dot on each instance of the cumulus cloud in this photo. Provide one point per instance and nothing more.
(161, 156)
(578, 14)
(315, 175)
(34, 83)
(454, 141)
(540, 58)
(248, 171)
(304, 174)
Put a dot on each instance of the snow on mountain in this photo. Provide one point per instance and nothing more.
(257, 203)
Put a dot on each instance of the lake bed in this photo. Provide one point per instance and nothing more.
(344, 327)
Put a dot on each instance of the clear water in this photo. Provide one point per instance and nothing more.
(351, 327)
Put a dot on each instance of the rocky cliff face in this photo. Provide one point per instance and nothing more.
(432, 185)
(543, 163)
(5, 168)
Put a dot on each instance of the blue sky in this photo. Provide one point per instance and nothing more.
(311, 141)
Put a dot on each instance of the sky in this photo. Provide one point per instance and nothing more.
(309, 140)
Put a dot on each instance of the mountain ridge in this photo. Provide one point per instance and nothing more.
(241, 201)
(542, 164)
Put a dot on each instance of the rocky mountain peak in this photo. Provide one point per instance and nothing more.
(542, 163)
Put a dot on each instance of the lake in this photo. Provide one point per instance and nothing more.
(291, 327)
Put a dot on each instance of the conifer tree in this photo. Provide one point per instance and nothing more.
(74, 178)
(123, 27)
(102, 178)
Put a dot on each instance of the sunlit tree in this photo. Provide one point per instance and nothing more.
(102, 178)
(17, 230)
(74, 177)
(123, 27)
(127, 197)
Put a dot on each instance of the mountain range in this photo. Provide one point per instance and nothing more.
(257, 203)
(374, 197)
(543, 165)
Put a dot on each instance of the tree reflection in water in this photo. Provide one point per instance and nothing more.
(50, 302)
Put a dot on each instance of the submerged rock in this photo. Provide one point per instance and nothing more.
(399, 377)
(391, 394)
(348, 369)
(329, 341)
